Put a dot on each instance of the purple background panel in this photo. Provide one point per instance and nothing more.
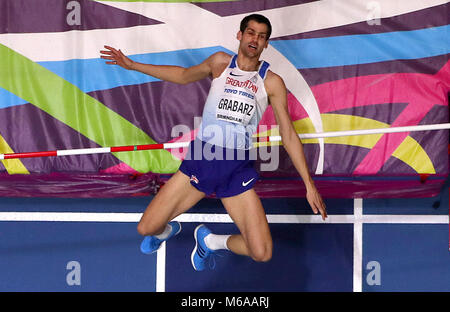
(21, 125)
(247, 6)
(25, 16)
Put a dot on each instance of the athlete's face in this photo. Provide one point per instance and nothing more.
(254, 39)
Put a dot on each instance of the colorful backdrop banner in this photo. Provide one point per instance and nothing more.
(348, 65)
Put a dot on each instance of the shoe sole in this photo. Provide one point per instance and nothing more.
(195, 248)
(146, 252)
(179, 230)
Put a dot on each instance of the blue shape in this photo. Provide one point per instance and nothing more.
(202, 256)
(412, 257)
(408, 206)
(233, 61)
(85, 73)
(36, 257)
(306, 257)
(283, 205)
(361, 49)
(122, 205)
(8, 99)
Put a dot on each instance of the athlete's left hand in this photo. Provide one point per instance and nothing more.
(316, 202)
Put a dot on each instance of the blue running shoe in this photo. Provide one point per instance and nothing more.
(150, 244)
(201, 254)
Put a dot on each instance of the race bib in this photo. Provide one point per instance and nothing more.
(236, 106)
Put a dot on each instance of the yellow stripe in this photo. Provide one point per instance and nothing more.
(411, 153)
(13, 166)
(336, 122)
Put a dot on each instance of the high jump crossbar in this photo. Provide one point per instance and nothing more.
(174, 145)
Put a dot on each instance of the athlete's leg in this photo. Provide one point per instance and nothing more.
(174, 198)
(248, 214)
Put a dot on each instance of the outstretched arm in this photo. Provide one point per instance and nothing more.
(176, 74)
(277, 93)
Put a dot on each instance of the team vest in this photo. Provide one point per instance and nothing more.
(234, 106)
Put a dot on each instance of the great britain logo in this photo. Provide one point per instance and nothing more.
(247, 84)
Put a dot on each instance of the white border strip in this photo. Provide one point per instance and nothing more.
(221, 218)
(357, 244)
(407, 219)
(161, 268)
(70, 216)
(357, 219)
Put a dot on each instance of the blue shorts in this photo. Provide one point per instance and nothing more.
(215, 169)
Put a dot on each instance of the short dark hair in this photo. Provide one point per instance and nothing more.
(257, 18)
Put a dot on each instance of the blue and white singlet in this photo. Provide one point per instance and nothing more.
(234, 106)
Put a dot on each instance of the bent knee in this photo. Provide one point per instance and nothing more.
(142, 229)
(262, 253)
(148, 229)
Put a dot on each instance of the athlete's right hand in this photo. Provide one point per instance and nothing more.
(116, 57)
